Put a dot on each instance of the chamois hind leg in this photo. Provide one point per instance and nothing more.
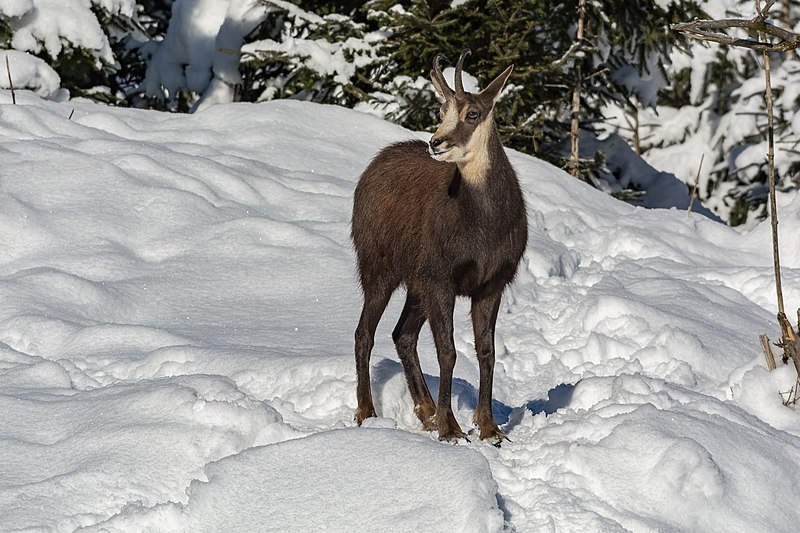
(439, 306)
(376, 297)
(405, 335)
(484, 316)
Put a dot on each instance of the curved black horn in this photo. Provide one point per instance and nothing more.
(458, 83)
(437, 72)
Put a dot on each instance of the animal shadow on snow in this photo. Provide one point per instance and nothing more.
(465, 395)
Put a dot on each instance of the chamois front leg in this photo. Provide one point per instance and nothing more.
(440, 313)
(484, 317)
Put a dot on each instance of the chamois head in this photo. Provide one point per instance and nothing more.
(467, 120)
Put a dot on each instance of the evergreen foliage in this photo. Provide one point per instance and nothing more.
(276, 62)
(5, 34)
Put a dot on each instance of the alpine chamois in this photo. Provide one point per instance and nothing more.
(445, 219)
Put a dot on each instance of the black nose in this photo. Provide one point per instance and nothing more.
(436, 142)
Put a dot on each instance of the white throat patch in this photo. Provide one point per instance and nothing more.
(475, 166)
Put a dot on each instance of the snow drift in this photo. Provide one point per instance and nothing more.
(179, 300)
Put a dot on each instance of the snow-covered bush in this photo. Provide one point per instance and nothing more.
(77, 39)
(29, 72)
(257, 50)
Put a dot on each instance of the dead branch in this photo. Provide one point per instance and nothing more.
(696, 183)
(773, 207)
(767, 349)
(713, 30)
(789, 342)
(10, 83)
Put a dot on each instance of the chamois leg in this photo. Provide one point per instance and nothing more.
(484, 316)
(376, 297)
(439, 308)
(405, 335)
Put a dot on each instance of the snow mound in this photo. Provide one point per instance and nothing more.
(352, 480)
(681, 473)
(75, 456)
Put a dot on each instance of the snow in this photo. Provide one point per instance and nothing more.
(16, 8)
(725, 122)
(46, 25)
(241, 19)
(646, 85)
(30, 72)
(318, 55)
(179, 300)
(183, 60)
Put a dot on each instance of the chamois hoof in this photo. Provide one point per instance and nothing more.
(429, 424)
(363, 414)
(493, 435)
(453, 438)
(499, 442)
(426, 413)
(452, 434)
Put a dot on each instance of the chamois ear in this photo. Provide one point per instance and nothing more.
(493, 90)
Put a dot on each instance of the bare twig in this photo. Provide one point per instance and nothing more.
(10, 83)
(711, 30)
(773, 208)
(573, 49)
(696, 183)
(792, 395)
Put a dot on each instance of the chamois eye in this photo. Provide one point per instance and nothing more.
(473, 114)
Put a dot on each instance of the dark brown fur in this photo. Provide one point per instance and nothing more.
(418, 222)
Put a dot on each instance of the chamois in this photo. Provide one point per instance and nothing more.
(445, 219)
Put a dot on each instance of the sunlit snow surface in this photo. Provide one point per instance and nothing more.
(178, 305)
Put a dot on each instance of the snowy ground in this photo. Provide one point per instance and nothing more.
(178, 304)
